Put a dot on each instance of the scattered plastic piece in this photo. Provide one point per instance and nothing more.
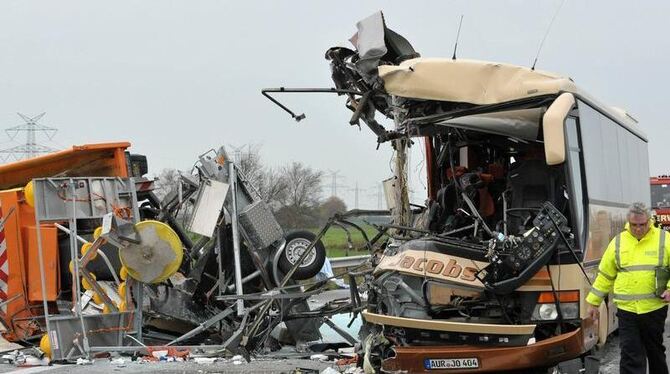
(84, 361)
(159, 354)
(205, 360)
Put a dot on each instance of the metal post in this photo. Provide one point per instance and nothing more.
(401, 215)
(74, 255)
(139, 295)
(219, 259)
(236, 239)
(139, 286)
(43, 282)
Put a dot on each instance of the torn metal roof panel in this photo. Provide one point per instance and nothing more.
(469, 81)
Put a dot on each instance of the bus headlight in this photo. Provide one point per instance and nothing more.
(545, 309)
(547, 312)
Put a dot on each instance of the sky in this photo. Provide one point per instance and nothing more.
(177, 78)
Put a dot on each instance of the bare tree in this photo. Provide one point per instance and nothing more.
(274, 188)
(270, 183)
(303, 186)
(249, 162)
(167, 180)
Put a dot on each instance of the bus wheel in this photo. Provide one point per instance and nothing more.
(296, 243)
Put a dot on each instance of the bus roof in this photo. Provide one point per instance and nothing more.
(483, 83)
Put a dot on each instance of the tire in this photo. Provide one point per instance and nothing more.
(296, 243)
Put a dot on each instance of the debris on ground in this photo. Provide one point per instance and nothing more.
(205, 360)
(84, 361)
(330, 370)
(347, 361)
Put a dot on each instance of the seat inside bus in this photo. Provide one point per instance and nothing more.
(506, 189)
(531, 183)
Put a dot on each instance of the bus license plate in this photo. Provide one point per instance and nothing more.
(451, 363)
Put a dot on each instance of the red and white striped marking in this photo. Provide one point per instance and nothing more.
(144, 185)
(4, 266)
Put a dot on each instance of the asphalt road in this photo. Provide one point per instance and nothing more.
(105, 366)
(609, 364)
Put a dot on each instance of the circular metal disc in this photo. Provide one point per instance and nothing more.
(157, 257)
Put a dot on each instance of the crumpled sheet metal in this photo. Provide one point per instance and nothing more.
(469, 81)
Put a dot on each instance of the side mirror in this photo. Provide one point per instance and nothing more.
(553, 124)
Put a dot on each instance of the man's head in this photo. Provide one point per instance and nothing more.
(638, 220)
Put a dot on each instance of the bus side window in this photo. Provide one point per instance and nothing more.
(575, 189)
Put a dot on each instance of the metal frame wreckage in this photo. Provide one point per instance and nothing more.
(95, 262)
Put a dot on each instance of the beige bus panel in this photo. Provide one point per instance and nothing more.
(553, 124)
(448, 326)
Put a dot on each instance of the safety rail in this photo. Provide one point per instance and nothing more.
(348, 261)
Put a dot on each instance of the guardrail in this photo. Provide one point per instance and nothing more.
(348, 261)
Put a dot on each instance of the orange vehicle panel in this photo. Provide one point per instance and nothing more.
(50, 256)
(19, 265)
(90, 160)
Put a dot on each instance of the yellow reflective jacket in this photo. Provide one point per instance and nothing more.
(628, 274)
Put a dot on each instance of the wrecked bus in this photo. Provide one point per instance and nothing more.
(528, 179)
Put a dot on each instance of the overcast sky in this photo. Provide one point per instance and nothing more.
(176, 78)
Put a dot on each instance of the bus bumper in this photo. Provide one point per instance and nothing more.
(548, 352)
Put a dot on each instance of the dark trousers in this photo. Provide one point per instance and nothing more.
(641, 339)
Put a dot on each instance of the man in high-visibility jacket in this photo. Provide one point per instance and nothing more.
(628, 274)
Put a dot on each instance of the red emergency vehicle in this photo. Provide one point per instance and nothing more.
(660, 199)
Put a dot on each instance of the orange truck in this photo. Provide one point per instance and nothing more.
(21, 300)
(660, 199)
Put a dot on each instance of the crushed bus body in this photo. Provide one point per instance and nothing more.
(526, 187)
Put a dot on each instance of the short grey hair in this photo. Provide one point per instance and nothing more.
(638, 208)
